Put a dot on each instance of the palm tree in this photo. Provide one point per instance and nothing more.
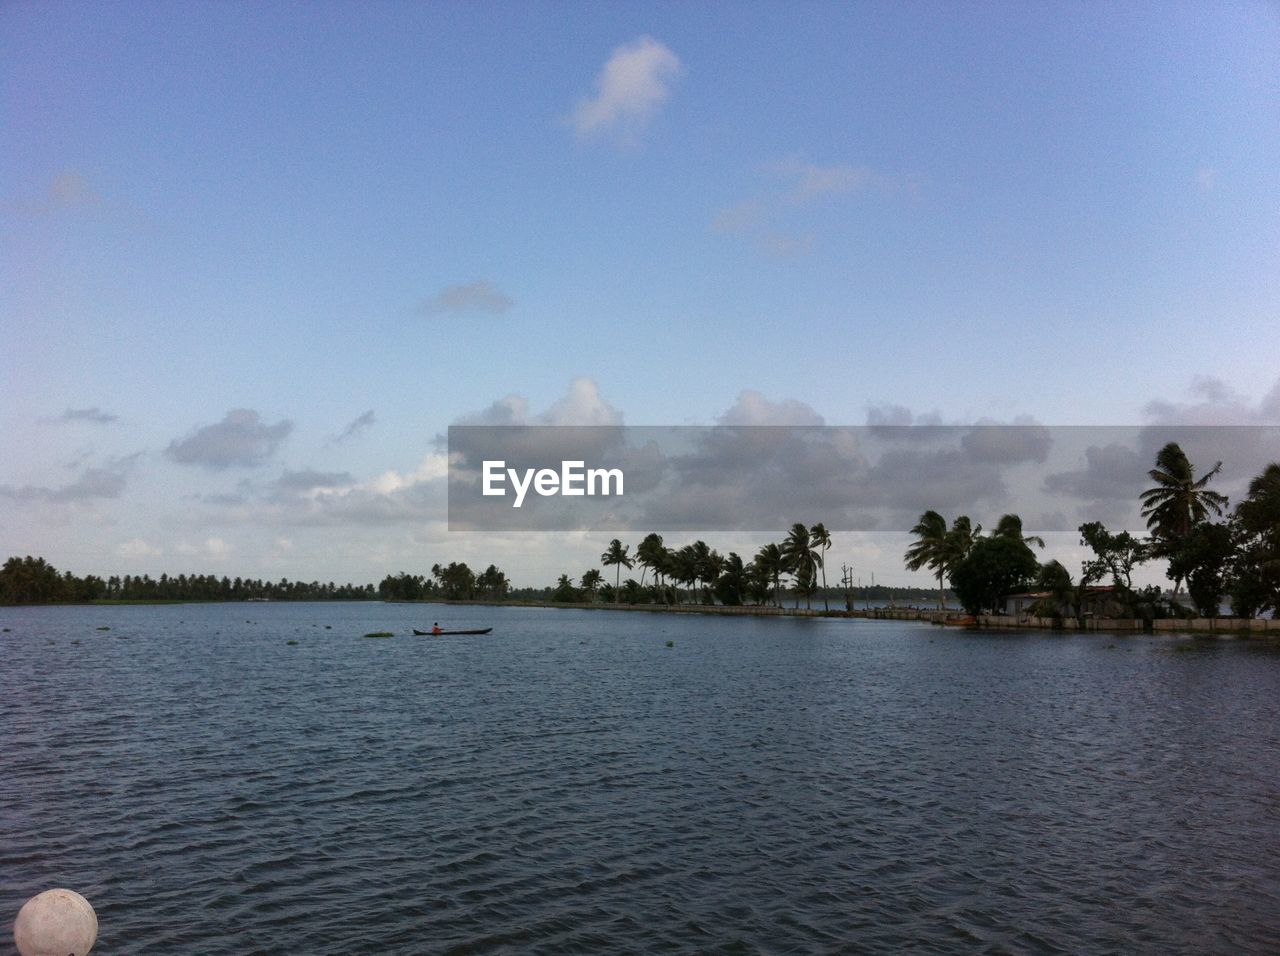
(1010, 526)
(685, 570)
(702, 570)
(731, 583)
(931, 550)
(649, 555)
(1056, 579)
(1259, 513)
(1178, 502)
(771, 563)
(591, 583)
(822, 541)
(960, 541)
(617, 556)
(800, 557)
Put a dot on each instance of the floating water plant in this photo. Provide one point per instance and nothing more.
(671, 643)
(291, 642)
(379, 634)
(104, 628)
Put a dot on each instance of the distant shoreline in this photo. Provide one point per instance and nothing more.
(1236, 627)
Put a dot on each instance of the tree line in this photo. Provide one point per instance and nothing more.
(34, 581)
(1216, 552)
(454, 581)
(696, 573)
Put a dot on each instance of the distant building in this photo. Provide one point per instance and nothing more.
(1094, 602)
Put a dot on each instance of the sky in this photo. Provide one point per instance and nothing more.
(255, 259)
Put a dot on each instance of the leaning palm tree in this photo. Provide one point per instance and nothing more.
(960, 540)
(649, 555)
(931, 549)
(771, 563)
(1178, 502)
(822, 541)
(1010, 526)
(800, 557)
(1259, 513)
(617, 556)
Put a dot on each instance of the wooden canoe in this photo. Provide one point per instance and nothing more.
(480, 630)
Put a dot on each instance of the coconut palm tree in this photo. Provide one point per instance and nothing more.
(1178, 502)
(822, 541)
(731, 584)
(684, 570)
(649, 555)
(960, 541)
(771, 564)
(702, 569)
(932, 549)
(617, 556)
(1259, 513)
(1010, 526)
(800, 557)
(591, 581)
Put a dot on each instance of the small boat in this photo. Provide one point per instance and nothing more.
(481, 630)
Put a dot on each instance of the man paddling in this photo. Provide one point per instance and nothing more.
(435, 628)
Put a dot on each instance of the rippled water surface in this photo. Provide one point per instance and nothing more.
(569, 783)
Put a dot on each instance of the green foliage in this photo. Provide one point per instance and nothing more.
(1115, 554)
(1056, 579)
(456, 581)
(801, 559)
(1177, 505)
(1202, 560)
(1255, 585)
(616, 557)
(993, 568)
(565, 592)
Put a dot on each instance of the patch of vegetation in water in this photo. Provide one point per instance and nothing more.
(379, 634)
(291, 642)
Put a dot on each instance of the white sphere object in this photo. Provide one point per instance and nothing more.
(56, 923)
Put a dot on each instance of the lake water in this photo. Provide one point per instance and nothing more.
(569, 783)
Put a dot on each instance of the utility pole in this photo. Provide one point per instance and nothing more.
(846, 579)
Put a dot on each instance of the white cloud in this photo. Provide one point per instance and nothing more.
(138, 548)
(774, 222)
(810, 181)
(217, 547)
(752, 408)
(630, 89)
(581, 405)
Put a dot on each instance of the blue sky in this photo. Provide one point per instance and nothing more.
(280, 224)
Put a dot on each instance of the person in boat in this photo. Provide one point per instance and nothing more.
(436, 629)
